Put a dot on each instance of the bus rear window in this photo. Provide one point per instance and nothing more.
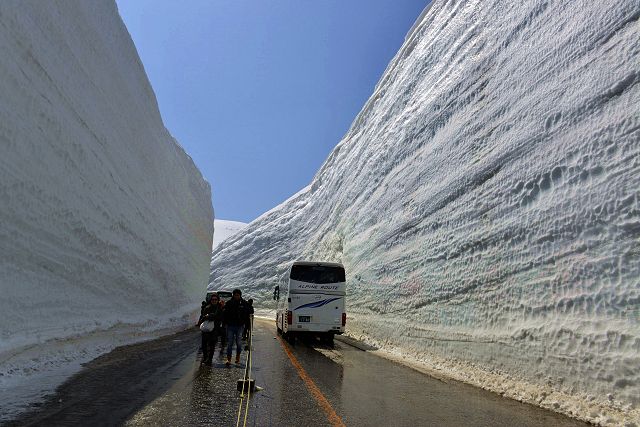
(317, 274)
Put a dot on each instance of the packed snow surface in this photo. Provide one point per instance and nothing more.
(225, 229)
(485, 203)
(106, 224)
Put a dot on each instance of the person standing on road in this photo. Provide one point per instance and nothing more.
(218, 331)
(211, 312)
(223, 330)
(202, 306)
(234, 316)
(247, 320)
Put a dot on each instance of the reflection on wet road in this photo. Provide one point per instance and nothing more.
(163, 383)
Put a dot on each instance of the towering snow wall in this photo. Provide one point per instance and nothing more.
(104, 219)
(485, 202)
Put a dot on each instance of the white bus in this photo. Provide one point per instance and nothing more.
(312, 301)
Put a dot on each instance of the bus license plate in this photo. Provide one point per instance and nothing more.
(304, 318)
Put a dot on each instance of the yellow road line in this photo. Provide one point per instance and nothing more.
(334, 418)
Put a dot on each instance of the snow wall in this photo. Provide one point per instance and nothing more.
(225, 229)
(105, 221)
(485, 205)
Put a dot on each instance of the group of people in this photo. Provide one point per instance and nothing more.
(232, 323)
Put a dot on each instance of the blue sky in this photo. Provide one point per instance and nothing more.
(259, 92)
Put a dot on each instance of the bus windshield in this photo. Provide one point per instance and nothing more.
(223, 295)
(317, 274)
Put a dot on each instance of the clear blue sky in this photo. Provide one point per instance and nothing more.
(259, 92)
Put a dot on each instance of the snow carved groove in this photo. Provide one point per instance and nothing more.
(485, 202)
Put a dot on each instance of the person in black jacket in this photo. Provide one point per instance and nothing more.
(211, 312)
(223, 331)
(234, 317)
(247, 321)
(202, 306)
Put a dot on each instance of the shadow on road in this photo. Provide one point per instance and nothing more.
(127, 378)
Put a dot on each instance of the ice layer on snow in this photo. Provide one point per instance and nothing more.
(105, 221)
(485, 203)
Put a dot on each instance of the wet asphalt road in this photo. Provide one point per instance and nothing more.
(161, 382)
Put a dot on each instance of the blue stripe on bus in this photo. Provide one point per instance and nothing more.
(317, 303)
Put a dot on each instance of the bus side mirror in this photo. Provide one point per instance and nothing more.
(276, 293)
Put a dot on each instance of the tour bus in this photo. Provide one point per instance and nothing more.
(223, 295)
(313, 300)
